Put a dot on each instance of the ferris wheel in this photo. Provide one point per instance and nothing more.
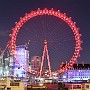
(63, 37)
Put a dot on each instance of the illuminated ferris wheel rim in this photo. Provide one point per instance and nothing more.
(56, 14)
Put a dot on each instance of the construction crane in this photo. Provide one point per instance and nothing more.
(2, 53)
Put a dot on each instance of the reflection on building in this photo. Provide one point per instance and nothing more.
(13, 67)
(35, 63)
(21, 61)
(1, 69)
(6, 67)
(77, 73)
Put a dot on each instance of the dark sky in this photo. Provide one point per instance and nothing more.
(79, 10)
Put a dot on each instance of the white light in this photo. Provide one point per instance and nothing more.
(55, 77)
(41, 84)
(41, 79)
(45, 73)
(33, 73)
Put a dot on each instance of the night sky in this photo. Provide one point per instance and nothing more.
(79, 10)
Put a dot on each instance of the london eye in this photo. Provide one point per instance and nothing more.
(61, 33)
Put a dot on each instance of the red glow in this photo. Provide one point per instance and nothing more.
(54, 13)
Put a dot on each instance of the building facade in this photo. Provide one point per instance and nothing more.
(79, 73)
(35, 63)
(21, 61)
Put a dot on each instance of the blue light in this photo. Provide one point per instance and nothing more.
(77, 75)
(22, 59)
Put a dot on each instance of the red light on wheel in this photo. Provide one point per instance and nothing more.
(58, 14)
